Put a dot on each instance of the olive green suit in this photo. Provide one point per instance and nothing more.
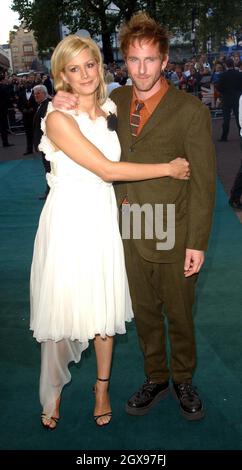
(179, 126)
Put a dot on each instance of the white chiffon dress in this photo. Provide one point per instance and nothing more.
(78, 285)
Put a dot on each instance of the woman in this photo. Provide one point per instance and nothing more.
(79, 288)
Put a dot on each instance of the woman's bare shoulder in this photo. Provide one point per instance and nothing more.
(57, 118)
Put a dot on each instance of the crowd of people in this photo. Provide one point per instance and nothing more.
(197, 76)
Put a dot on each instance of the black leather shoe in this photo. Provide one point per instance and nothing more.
(191, 406)
(235, 204)
(148, 395)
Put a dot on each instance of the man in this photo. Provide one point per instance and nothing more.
(4, 106)
(41, 98)
(230, 87)
(170, 123)
(28, 106)
(236, 190)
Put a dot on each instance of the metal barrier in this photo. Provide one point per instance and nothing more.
(15, 121)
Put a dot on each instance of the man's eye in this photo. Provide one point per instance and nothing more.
(132, 59)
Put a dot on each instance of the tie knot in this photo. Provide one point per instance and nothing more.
(139, 105)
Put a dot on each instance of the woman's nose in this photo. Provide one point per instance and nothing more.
(83, 73)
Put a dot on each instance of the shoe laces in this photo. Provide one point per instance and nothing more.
(145, 389)
(187, 390)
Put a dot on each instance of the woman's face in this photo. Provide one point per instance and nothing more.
(82, 73)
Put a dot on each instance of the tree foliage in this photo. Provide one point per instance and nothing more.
(213, 19)
(104, 17)
(42, 17)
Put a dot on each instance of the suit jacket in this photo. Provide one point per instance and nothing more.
(40, 113)
(27, 107)
(230, 86)
(179, 126)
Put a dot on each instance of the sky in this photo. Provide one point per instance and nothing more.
(8, 19)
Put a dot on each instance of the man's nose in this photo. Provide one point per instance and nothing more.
(142, 67)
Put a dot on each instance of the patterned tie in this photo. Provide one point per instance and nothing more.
(135, 118)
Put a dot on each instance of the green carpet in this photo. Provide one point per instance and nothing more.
(219, 339)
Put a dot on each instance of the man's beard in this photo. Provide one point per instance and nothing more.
(143, 87)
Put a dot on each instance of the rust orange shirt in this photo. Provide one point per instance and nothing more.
(149, 104)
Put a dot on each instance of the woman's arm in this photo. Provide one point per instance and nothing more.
(64, 132)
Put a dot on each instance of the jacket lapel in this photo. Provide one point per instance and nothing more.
(124, 116)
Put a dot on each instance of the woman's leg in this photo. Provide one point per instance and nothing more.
(104, 350)
(55, 358)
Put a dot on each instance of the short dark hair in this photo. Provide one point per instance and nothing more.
(229, 63)
(142, 27)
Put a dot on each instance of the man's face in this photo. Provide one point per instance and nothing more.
(145, 63)
(39, 96)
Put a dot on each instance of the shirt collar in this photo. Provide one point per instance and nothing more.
(151, 103)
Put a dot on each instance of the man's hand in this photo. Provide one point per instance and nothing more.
(65, 100)
(193, 262)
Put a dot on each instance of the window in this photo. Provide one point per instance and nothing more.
(28, 48)
(15, 49)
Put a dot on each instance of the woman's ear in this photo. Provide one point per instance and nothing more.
(63, 77)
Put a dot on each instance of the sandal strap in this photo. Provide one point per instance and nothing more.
(44, 415)
(96, 417)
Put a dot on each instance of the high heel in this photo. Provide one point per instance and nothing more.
(48, 419)
(109, 413)
(47, 425)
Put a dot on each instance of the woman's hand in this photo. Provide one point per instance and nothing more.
(179, 169)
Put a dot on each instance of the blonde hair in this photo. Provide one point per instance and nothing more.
(65, 51)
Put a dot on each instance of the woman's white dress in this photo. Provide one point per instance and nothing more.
(78, 281)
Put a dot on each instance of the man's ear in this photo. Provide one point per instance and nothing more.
(164, 62)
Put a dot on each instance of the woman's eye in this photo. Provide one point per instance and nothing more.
(90, 65)
(74, 69)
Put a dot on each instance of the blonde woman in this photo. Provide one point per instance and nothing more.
(79, 289)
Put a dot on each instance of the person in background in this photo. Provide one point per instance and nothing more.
(27, 105)
(236, 191)
(230, 87)
(4, 106)
(111, 84)
(42, 99)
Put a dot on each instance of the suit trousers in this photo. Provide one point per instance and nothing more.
(227, 108)
(236, 190)
(160, 291)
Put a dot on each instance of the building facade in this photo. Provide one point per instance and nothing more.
(4, 60)
(23, 49)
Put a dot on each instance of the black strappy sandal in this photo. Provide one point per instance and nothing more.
(47, 425)
(109, 413)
